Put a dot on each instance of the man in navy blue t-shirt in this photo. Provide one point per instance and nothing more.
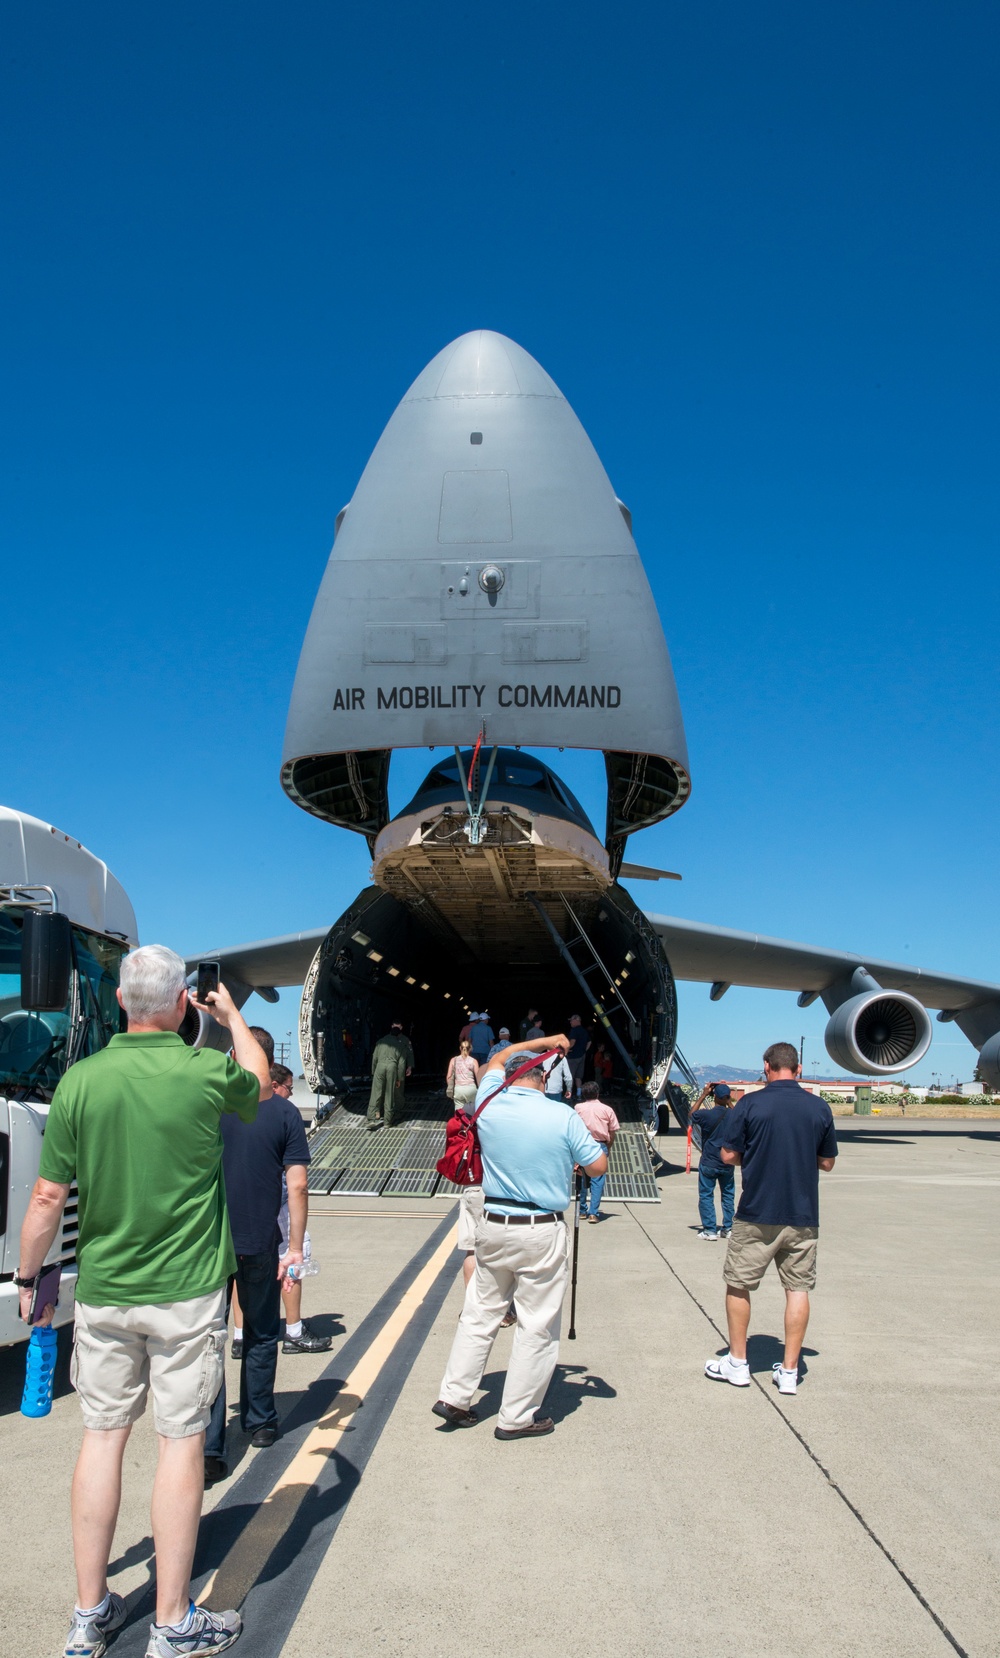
(713, 1123)
(253, 1165)
(780, 1136)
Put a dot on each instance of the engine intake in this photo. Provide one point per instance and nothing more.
(877, 1031)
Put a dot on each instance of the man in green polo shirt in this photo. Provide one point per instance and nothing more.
(137, 1127)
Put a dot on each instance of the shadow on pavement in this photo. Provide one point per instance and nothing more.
(764, 1352)
(570, 1386)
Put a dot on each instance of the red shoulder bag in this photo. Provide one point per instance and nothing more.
(462, 1162)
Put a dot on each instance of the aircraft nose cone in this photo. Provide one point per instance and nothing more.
(482, 364)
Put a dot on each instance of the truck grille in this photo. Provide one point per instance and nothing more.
(67, 1240)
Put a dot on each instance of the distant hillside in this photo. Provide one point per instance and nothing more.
(720, 1073)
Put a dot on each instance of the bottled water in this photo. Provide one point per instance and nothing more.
(297, 1271)
(40, 1371)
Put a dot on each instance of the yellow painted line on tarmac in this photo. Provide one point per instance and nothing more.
(232, 1580)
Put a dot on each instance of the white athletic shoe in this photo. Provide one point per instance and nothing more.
(786, 1381)
(728, 1369)
(209, 1632)
(88, 1638)
(709, 1237)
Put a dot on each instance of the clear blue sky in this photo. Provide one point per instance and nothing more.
(758, 250)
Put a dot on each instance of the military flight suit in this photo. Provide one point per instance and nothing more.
(391, 1058)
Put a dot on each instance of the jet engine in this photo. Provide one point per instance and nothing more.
(989, 1062)
(875, 1031)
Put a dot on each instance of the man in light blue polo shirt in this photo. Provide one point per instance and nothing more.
(529, 1146)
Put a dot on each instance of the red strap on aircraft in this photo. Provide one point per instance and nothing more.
(475, 757)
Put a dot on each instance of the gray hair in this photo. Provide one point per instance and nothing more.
(152, 980)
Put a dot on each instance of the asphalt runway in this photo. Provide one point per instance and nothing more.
(666, 1513)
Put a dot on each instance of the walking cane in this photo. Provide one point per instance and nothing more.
(576, 1255)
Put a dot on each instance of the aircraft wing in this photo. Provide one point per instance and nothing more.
(722, 957)
(268, 962)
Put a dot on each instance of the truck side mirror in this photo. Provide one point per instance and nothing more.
(46, 961)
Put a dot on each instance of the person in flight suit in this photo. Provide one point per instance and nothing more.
(392, 1062)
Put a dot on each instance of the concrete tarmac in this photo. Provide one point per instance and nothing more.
(666, 1513)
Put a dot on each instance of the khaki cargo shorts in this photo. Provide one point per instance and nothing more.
(177, 1348)
(470, 1212)
(752, 1248)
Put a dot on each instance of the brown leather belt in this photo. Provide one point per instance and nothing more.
(518, 1220)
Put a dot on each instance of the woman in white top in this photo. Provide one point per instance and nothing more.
(463, 1075)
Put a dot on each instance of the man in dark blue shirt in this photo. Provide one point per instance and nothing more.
(780, 1136)
(712, 1123)
(253, 1165)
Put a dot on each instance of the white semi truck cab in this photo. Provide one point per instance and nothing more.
(58, 977)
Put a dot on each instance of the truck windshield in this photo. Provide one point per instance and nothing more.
(36, 1048)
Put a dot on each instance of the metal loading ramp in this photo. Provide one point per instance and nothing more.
(347, 1161)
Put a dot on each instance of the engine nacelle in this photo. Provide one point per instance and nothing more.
(877, 1032)
(989, 1062)
(196, 1027)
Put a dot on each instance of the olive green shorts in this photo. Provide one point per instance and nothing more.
(752, 1248)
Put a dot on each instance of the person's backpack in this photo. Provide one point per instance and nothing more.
(462, 1162)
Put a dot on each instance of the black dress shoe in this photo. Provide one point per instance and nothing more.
(306, 1342)
(541, 1424)
(263, 1438)
(454, 1414)
(215, 1470)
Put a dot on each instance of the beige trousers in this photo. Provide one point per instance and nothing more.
(529, 1265)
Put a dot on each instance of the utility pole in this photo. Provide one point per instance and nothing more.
(802, 1046)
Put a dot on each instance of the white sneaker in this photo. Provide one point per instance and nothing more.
(209, 1632)
(786, 1381)
(89, 1638)
(709, 1237)
(728, 1369)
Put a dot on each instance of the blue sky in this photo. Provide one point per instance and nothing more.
(756, 247)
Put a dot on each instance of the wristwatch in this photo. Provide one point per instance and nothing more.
(25, 1283)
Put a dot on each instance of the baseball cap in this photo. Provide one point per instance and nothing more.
(721, 1090)
(511, 1064)
(503, 1031)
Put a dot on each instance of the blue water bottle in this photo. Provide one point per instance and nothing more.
(40, 1371)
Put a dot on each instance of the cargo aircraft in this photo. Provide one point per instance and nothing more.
(485, 598)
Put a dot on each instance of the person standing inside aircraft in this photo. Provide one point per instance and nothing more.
(713, 1123)
(137, 1127)
(502, 1041)
(558, 1079)
(603, 1066)
(462, 1077)
(603, 1124)
(392, 1062)
(781, 1136)
(579, 1047)
(482, 1039)
(529, 1026)
(529, 1148)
